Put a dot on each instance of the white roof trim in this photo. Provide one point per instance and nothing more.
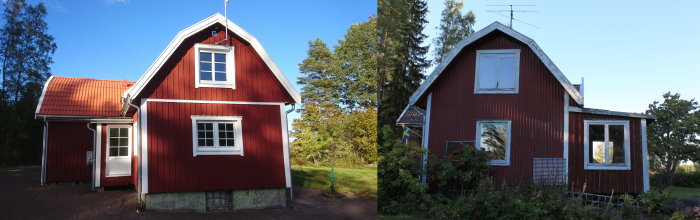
(43, 93)
(612, 113)
(199, 26)
(510, 32)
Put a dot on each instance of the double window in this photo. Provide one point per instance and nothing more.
(606, 144)
(494, 138)
(214, 66)
(217, 135)
(497, 71)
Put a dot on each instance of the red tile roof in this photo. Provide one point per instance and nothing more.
(72, 96)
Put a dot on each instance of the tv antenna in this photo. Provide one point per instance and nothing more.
(510, 25)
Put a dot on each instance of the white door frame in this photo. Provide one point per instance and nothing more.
(110, 158)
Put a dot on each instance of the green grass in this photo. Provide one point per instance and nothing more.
(360, 181)
(678, 191)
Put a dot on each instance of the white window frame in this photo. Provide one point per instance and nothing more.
(230, 66)
(591, 166)
(477, 141)
(479, 54)
(217, 150)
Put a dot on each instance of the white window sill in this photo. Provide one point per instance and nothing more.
(216, 85)
(218, 151)
(499, 163)
(495, 92)
(606, 167)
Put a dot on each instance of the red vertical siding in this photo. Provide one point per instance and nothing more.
(603, 181)
(172, 168)
(536, 112)
(67, 146)
(113, 181)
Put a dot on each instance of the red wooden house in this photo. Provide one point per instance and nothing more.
(498, 91)
(205, 126)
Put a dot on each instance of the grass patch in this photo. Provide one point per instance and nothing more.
(359, 181)
(677, 191)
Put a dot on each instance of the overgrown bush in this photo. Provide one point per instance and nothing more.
(687, 179)
(459, 171)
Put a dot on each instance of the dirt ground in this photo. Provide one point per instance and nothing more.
(22, 197)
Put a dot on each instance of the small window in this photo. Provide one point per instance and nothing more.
(494, 138)
(214, 66)
(497, 71)
(606, 144)
(217, 135)
(118, 141)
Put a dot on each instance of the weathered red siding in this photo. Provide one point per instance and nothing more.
(65, 161)
(536, 111)
(254, 80)
(114, 181)
(172, 168)
(604, 181)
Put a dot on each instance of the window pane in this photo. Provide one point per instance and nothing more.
(231, 143)
(113, 132)
(617, 143)
(596, 141)
(204, 66)
(113, 151)
(203, 75)
(506, 72)
(220, 76)
(123, 141)
(113, 141)
(487, 72)
(204, 56)
(209, 126)
(123, 132)
(220, 57)
(200, 142)
(222, 142)
(493, 140)
(220, 67)
(123, 151)
(209, 142)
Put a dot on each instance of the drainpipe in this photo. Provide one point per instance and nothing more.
(138, 110)
(44, 151)
(93, 155)
(291, 190)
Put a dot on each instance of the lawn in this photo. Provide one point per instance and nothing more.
(678, 191)
(359, 181)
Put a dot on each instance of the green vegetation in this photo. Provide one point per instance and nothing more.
(453, 28)
(678, 191)
(358, 181)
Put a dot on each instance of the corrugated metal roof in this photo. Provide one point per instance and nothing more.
(70, 96)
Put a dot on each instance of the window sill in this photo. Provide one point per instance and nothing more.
(215, 85)
(218, 151)
(496, 92)
(499, 163)
(605, 167)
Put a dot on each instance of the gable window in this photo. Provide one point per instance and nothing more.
(497, 71)
(214, 66)
(217, 135)
(494, 138)
(606, 144)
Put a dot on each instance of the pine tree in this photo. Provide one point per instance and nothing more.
(454, 27)
(320, 82)
(356, 59)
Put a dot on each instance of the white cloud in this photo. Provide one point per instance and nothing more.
(109, 2)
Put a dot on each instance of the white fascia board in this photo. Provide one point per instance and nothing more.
(608, 112)
(135, 90)
(483, 32)
(43, 93)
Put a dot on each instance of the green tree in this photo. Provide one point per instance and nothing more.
(673, 137)
(356, 59)
(319, 80)
(453, 28)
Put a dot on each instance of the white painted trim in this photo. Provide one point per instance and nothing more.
(477, 72)
(128, 155)
(196, 28)
(477, 140)
(43, 93)
(216, 149)
(230, 66)
(44, 151)
(586, 146)
(510, 32)
(608, 112)
(98, 154)
(645, 155)
(144, 146)
(285, 147)
(214, 102)
(426, 136)
(566, 138)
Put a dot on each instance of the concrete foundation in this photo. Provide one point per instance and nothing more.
(241, 199)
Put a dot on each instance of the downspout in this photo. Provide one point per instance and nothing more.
(138, 110)
(291, 190)
(93, 154)
(44, 151)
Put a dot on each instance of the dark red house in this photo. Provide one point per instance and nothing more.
(205, 126)
(498, 91)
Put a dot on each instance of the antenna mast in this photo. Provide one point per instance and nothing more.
(226, 24)
(510, 25)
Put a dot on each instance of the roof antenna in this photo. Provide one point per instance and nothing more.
(510, 25)
(226, 24)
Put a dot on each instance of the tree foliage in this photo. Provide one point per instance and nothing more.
(453, 28)
(674, 136)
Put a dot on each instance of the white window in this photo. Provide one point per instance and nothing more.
(606, 144)
(217, 135)
(214, 66)
(494, 138)
(497, 71)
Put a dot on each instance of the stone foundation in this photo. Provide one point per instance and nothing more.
(197, 201)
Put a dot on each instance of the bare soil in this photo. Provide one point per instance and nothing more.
(22, 197)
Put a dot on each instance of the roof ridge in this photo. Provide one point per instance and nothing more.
(72, 77)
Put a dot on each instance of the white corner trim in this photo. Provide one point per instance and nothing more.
(607, 123)
(43, 93)
(426, 136)
(566, 138)
(144, 146)
(285, 147)
(98, 155)
(645, 155)
(44, 151)
(477, 72)
(508, 31)
(477, 140)
(214, 102)
(138, 87)
(216, 149)
(230, 66)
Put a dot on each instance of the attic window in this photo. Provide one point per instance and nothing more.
(497, 71)
(214, 66)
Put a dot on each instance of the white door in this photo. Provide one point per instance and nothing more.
(118, 150)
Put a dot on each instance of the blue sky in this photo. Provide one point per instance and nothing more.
(629, 52)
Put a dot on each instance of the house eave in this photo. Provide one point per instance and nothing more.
(611, 113)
